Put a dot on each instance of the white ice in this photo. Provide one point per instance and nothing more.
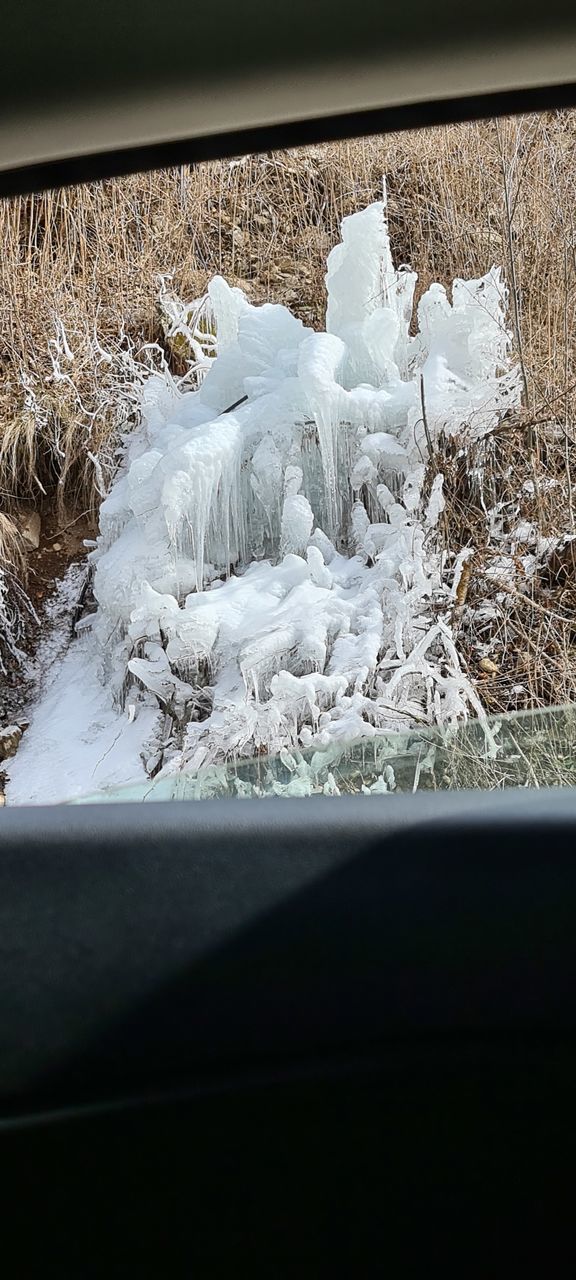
(267, 572)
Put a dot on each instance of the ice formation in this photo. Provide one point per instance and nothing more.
(267, 570)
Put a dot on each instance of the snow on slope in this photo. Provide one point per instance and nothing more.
(77, 741)
(267, 574)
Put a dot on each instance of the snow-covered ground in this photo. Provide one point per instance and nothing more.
(77, 741)
(268, 573)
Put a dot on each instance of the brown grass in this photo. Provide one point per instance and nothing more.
(515, 615)
(92, 257)
(12, 548)
(85, 262)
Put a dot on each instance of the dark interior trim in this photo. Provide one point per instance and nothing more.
(152, 948)
(118, 163)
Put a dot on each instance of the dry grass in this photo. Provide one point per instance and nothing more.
(79, 283)
(515, 613)
(12, 547)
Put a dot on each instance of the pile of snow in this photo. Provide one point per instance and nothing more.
(267, 572)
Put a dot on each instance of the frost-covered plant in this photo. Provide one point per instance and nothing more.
(15, 607)
(267, 569)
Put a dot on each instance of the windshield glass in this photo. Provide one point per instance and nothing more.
(528, 749)
(286, 463)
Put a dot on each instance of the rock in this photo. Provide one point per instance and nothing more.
(56, 546)
(489, 667)
(10, 738)
(30, 527)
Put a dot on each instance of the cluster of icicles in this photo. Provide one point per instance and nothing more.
(266, 564)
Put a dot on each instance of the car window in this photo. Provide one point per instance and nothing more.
(286, 472)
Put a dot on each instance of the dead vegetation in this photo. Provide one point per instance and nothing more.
(80, 277)
(514, 613)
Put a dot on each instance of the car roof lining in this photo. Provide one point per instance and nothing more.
(119, 162)
(111, 91)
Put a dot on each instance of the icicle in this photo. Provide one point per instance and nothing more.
(320, 357)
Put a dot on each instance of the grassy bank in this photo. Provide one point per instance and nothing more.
(80, 277)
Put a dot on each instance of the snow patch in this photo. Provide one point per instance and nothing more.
(77, 741)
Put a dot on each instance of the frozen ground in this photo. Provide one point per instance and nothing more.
(77, 741)
(268, 575)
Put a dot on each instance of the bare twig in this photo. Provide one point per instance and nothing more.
(424, 417)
